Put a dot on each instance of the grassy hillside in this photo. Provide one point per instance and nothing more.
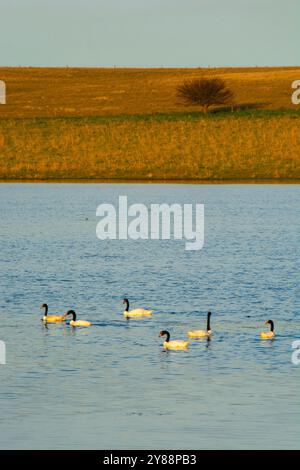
(128, 124)
(50, 92)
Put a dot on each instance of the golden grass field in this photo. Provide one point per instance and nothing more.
(70, 123)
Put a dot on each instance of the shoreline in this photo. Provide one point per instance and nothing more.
(158, 181)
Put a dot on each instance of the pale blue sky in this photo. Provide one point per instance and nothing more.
(147, 33)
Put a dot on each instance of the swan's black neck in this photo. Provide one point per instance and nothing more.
(46, 309)
(167, 334)
(126, 301)
(71, 312)
(272, 324)
(208, 321)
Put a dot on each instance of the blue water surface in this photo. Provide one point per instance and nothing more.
(112, 385)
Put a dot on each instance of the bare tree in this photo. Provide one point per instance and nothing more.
(205, 92)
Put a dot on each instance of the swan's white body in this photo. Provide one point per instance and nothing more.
(268, 334)
(74, 321)
(51, 318)
(202, 333)
(176, 345)
(199, 333)
(80, 323)
(138, 312)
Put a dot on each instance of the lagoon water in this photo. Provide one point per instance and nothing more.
(112, 385)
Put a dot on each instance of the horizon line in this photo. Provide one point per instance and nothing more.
(148, 67)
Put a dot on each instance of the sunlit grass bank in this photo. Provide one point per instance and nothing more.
(261, 145)
(69, 123)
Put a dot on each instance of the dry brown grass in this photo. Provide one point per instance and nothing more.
(49, 92)
(73, 142)
(211, 148)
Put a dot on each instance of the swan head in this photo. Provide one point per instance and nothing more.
(164, 333)
(125, 301)
(271, 323)
(70, 312)
(45, 306)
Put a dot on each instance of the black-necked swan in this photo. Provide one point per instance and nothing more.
(138, 312)
(202, 333)
(51, 318)
(175, 344)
